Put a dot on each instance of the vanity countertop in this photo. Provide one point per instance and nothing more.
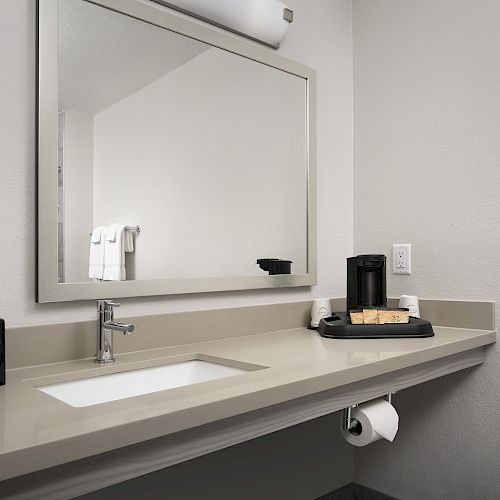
(38, 431)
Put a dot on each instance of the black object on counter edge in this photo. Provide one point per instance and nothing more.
(2, 352)
(337, 326)
(275, 266)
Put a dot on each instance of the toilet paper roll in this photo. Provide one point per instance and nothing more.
(377, 419)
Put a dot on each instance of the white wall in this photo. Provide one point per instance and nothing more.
(320, 37)
(427, 172)
(210, 161)
(78, 175)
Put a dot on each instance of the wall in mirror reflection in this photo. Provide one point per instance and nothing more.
(204, 149)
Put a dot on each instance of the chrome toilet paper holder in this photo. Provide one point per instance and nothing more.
(349, 422)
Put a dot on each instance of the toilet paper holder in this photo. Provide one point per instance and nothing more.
(349, 422)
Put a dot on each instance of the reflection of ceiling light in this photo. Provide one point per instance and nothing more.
(265, 21)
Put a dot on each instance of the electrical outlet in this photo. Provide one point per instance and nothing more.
(401, 258)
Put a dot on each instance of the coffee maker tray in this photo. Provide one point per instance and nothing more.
(338, 326)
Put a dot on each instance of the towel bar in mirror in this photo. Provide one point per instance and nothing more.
(135, 229)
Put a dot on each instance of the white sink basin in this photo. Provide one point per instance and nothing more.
(127, 384)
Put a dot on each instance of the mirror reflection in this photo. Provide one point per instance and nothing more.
(177, 159)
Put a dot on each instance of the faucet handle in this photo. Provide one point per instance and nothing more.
(106, 305)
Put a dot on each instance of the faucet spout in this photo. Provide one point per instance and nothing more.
(125, 328)
(105, 327)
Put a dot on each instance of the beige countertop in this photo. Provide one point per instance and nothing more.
(38, 431)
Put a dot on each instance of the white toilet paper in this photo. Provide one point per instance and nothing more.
(377, 419)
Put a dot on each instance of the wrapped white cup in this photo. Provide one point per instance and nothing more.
(410, 302)
(321, 308)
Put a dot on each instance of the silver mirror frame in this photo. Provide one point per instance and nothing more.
(49, 290)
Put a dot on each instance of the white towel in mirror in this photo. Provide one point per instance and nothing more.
(114, 253)
(128, 241)
(112, 231)
(117, 241)
(96, 254)
(97, 235)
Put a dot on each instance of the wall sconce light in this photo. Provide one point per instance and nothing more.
(264, 21)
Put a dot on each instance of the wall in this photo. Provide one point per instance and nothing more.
(182, 152)
(320, 37)
(426, 168)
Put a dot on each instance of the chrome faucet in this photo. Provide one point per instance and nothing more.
(105, 327)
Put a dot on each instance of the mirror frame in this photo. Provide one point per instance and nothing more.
(49, 290)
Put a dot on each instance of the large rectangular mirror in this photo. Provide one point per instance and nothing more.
(171, 158)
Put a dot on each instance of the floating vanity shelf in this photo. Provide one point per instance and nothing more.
(305, 377)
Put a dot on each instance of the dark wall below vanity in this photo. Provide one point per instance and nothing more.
(302, 462)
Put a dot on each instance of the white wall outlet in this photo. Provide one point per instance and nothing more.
(401, 258)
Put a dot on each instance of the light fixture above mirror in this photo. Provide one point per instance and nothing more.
(265, 21)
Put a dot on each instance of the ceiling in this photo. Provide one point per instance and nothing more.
(105, 56)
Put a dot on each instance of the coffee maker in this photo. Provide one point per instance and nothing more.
(366, 283)
(366, 288)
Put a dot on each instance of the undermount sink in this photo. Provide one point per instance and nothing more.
(127, 384)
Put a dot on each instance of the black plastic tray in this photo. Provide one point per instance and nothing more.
(337, 326)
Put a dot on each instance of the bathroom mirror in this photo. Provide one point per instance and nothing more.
(171, 158)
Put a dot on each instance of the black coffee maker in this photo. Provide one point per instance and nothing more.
(366, 284)
(366, 288)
